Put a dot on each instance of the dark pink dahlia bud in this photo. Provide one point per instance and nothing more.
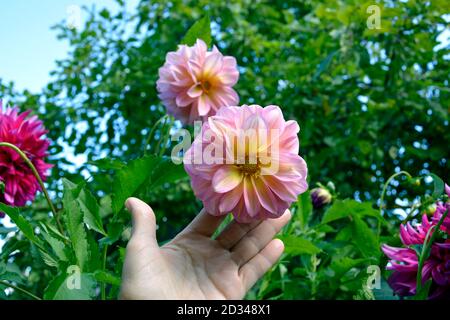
(320, 197)
(26, 133)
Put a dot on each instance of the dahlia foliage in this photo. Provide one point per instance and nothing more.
(26, 133)
(405, 261)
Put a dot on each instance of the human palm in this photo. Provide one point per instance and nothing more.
(193, 265)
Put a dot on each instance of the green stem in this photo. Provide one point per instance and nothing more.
(38, 177)
(427, 248)
(103, 285)
(152, 132)
(384, 192)
(165, 141)
(7, 284)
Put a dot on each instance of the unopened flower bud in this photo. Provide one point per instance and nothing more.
(320, 197)
(431, 209)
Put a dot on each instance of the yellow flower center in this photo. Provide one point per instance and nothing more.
(205, 85)
(249, 169)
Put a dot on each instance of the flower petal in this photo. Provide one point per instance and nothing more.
(226, 178)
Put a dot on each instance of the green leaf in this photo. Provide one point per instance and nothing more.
(349, 207)
(52, 230)
(304, 208)
(71, 287)
(343, 265)
(324, 64)
(59, 248)
(296, 246)
(107, 164)
(439, 186)
(149, 171)
(365, 239)
(91, 210)
(74, 222)
(106, 277)
(21, 223)
(48, 259)
(338, 210)
(199, 30)
(11, 272)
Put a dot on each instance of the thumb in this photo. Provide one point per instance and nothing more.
(143, 220)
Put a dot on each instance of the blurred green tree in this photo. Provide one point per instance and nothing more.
(370, 100)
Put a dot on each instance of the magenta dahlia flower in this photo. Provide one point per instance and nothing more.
(245, 161)
(26, 133)
(194, 82)
(404, 261)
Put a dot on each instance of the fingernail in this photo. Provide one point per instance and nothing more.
(128, 204)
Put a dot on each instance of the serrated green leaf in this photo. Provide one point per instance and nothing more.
(106, 277)
(199, 30)
(349, 207)
(149, 171)
(58, 246)
(74, 222)
(64, 287)
(91, 210)
(296, 246)
(48, 259)
(52, 230)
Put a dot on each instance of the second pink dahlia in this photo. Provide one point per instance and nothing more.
(245, 161)
(194, 82)
(26, 133)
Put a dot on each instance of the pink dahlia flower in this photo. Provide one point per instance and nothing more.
(194, 82)
(404, 261)
(25, 133)
(245, 161)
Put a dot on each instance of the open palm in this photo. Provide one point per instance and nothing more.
(193, 265)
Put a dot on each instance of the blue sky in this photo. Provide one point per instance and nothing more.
(28, 47)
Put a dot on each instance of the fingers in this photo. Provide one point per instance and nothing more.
(234, 232)
(204, 224)
(143, 220)
(261, 263)
(251, 244)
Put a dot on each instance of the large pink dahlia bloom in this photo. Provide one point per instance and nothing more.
(245, 161)
(194, 82)
(404, 261)
(25, 133)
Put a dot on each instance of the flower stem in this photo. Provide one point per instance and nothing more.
(384, 192)
(7, 284)
(41, 183)
(103, 286)
(164, 140)
(152, 133)
(429, 240)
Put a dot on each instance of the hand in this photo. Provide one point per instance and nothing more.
(193, 265)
